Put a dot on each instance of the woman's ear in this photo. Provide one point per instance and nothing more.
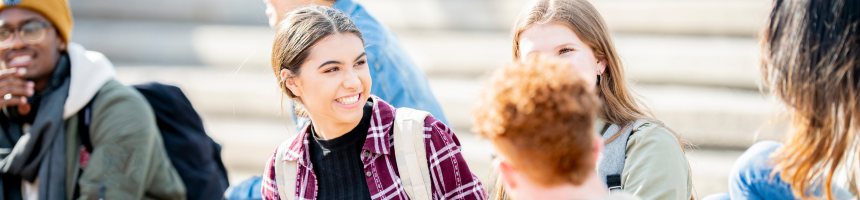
(290, 82)
(601, 65)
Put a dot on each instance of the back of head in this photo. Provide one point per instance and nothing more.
(297, 33)
(810, 61)
(540, 115)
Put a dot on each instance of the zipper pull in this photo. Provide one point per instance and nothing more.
(102, 192)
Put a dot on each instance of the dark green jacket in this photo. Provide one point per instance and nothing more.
(128, 158)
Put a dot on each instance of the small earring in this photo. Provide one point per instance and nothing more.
(598, 79)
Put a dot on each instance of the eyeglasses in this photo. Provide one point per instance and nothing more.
(31, 33)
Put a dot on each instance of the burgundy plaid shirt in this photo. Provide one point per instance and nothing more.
(451, 177)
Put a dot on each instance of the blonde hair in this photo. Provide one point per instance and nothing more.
(810, 61)
(295, 36)
(620, 105)
(540, 114)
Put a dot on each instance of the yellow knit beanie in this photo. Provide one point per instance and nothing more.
(57, 11)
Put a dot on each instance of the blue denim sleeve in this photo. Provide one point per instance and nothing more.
(396, 77)
(401, 83)
(751, 176)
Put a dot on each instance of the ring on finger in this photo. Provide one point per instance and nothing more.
(7, 96)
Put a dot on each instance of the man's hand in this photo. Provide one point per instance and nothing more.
(15, 90)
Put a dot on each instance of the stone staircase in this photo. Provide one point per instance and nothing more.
(703, 87)
(694, 62)
(697, 17)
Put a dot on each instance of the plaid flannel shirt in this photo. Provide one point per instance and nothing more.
(451, 177)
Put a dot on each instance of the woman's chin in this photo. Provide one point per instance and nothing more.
(351, 114)
(349, 118)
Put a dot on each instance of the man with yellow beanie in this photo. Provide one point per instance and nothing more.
(51, 88)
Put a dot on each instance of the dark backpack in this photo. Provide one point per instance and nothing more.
(194, 154)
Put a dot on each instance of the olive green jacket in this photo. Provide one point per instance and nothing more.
(655, 167)
(128, 155)
(128, 158)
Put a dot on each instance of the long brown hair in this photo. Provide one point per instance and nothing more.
(295, 36)
(811, 62)
(620, 105)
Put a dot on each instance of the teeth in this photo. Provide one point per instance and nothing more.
(348, 100)
(20, 59)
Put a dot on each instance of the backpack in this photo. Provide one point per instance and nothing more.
(611, 161)
(194, 154)
(409, 149)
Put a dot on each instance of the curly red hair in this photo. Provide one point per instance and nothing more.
(540, 115)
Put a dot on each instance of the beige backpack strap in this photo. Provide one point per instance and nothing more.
(286, 172)
(410, 153)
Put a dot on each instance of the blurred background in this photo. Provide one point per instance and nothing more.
(694, 62)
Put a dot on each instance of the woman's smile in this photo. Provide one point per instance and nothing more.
(349, 101)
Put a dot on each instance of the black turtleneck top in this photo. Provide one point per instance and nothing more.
(337, 162)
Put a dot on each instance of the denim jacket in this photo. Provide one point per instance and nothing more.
(396, 78)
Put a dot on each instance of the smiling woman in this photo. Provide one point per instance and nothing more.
(346, 151)
(335, 75)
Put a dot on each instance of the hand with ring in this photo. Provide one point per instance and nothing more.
(15, 89)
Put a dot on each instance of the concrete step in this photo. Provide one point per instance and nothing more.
(198, 11)
(650, 59)
(711, 167)
(248, 143)
(697, 17)
(704, 116)
(217, 91)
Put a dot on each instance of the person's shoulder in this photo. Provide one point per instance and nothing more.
(431, 121)
(655, 139)
(120, 108)
(656, 164)
(115, 92)
(436, 128)
(439, 134)
(651, 132)
(359, 16)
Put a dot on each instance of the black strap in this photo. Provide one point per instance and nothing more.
(84, 120)
(613, 180)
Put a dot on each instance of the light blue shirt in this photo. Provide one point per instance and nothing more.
(396, 78)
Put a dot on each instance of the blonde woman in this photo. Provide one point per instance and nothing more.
(642, 156)
(347, 150)
(810, 62)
